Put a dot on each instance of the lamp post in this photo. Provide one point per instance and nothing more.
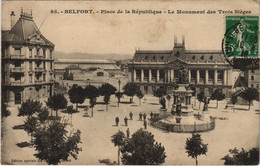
(119, 82)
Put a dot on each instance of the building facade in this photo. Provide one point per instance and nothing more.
(252, 78)
(108, 66)
(207, 70)
(27, 62)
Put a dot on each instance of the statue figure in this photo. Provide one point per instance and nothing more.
(178, 107)
(206, 102)
(162, 102)
(183, 75)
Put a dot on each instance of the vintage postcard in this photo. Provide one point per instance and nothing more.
(130, 82)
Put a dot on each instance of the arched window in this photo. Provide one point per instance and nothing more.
(100, 74)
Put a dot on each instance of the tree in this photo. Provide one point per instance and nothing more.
(140, 95)
(56, 102)
(233, 100)
(244, 157)
(200, 97)
(5, 112)
(119, 96)
(217, 95)
(43, 114)
(70, 111)
(141, 149)
(107, 90)
(130, 89)
(106, 100)
(91, 92)
(160, 92)
(249, 95)
(195, 147)
(30, 125)
(29, 107)
(76, 95)
(168, 97)
(53, 145)
(118, 140)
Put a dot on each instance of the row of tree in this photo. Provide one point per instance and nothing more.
(48, 135)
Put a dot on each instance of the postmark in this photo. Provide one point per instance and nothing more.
(240, 43)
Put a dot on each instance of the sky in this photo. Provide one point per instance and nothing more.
(123, 33)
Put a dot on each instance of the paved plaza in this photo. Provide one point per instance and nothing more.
(233, 129)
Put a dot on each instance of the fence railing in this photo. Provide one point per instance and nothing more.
(184, 128)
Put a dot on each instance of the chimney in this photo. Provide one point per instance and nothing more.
(175, 40)
(183, 41)
(12, 19)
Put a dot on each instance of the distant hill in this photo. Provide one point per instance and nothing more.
(77, 55)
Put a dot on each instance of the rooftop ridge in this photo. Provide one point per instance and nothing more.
(203, 51)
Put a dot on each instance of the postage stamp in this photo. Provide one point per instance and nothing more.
(240, 43)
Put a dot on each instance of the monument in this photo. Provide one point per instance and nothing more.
(182, 117)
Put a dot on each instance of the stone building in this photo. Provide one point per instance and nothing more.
(27, 62)
(252, 78)
(108, 66)
(207, 70)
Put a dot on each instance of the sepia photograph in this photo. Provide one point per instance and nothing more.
(130, 82)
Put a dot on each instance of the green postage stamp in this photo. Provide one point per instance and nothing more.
(241, 38)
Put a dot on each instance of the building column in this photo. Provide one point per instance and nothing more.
(189, 76)
(225, 77)
(215, 76)
(142, 75)
(172, 74)
(169, 75)
(198, 76)
(150, 75)
(134, 75)
(206, 76)
(158, 75)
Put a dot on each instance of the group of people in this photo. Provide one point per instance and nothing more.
(141, 118)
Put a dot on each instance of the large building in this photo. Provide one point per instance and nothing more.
(252, 78)
(207, 70)
(108, 66)
(27, 62)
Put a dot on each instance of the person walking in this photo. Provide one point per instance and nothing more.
(117, 120)
(151, 114)
(127, 133)
(144, 115)
(140, 116)
(125, 121)
(145, 124)
(131, 115)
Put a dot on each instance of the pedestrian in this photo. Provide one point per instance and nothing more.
(131, 115)
(117, 120)
(145, 124)
(125, 121)
(144, 115)
(151, 114)
(140, 116)
(127, 132)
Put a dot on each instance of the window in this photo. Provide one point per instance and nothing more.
(202, 57)
(177, 54)
(17, 78)
(162, 57)
(17, 51)
(154, 58)
(30, 65)
(44, 53)
(100, 74)
(146, 58)
(252, 77)
(257, 86)
(50, 54)
(44, 77)
(30, 53)
(17, 64)
(44, 65)
(193, 57)
(211, 57)
(30, 78)
(38, 52)
(252, 85)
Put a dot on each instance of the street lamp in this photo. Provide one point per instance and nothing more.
(119, 82)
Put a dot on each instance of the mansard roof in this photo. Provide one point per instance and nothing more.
(25, 31)
(189, 56)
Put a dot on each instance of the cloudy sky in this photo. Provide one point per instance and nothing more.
(122, 33)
